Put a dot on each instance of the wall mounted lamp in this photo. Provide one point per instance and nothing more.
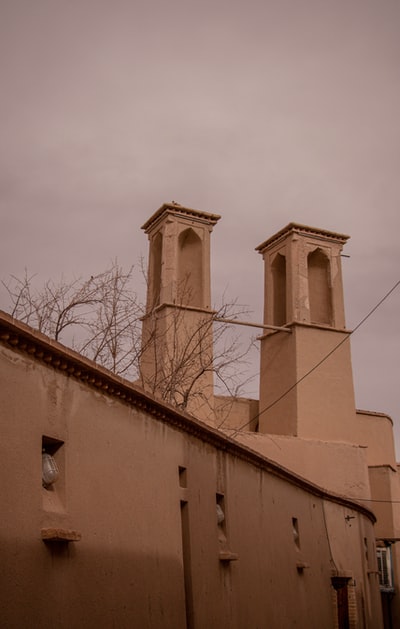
(49, 469)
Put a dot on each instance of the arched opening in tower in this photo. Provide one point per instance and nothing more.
(156, 270)
(190, 265)
(279, 289)
(319, 287)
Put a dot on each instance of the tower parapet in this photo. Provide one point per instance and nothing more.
(179, 258)
(303, 276)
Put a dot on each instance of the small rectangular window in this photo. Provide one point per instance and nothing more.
(366, 548)
(225, 553)
(220, 500)
(296, 534)
(50, 466)
(384, 556)
(182, 476)
(53, 474)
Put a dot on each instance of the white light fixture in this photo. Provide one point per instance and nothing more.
(49, 469)
(220, 514)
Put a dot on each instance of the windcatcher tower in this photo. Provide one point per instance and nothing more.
(304, 292)
(177, 352)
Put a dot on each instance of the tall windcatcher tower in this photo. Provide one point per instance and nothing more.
(306, 385)
(177, 351)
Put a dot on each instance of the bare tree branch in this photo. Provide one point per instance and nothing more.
(101, 317)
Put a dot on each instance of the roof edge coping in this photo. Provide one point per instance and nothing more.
(176, 208)
(305, 230)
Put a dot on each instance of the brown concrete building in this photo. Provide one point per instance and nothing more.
(158, 519)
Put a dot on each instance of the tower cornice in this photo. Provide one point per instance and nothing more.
(179, 210)
(304, 230)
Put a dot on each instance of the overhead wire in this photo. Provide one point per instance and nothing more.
(346, 338)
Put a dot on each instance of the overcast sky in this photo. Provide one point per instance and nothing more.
(264, 111)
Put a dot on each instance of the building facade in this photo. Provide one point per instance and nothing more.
(159, 519)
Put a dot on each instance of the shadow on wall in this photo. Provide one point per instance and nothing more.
(58, 585)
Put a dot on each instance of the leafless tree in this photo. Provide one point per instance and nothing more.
(184, 347)
(101, 318)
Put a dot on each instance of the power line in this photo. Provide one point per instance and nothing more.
(322, 360)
